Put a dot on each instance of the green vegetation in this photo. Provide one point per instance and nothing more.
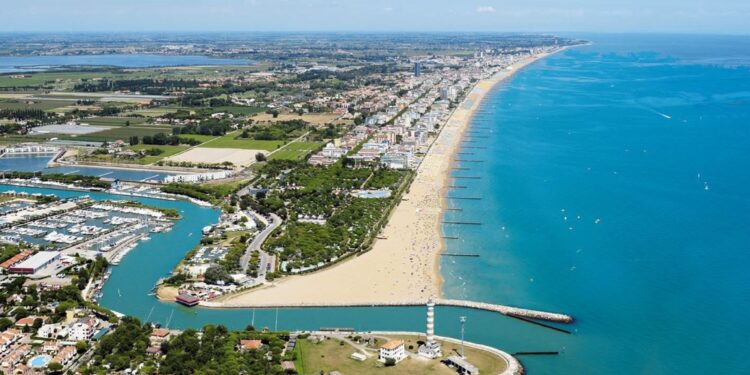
(278, 131)
(322, 192)
(230, 140)
(169, 213)
(214, 352)
(295, 151)
(122, 348)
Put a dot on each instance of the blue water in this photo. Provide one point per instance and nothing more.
(33, 163)
(649, 135)
(15, 64)
(617, 131)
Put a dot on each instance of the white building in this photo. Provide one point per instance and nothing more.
(80, 331)
(52, 331)
(393, 349)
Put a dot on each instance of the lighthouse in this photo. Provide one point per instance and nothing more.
(430, 349)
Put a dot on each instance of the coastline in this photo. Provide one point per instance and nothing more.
(404, 265)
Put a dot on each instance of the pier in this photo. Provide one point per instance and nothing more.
(462, 222)
(530, 321)
(450, 237)
(475, 147)
(468, 177)
(459, 169)
(459, 255)
(456, 187)
(454, 209)
(469, 161)
(466, 198)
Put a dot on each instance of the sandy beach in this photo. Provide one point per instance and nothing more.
(404, 265)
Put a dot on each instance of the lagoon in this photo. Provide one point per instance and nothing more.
(19, 64)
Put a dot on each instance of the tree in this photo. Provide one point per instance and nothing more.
(260, 157)
(5, 323)
(390, 362)
(127, 122)
(55, 368)
(81, 346)
(215, 274)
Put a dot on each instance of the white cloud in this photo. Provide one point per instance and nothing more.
(486, 9)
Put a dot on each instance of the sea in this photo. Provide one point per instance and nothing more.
(613, 182)
(21, 64)
(614, 188)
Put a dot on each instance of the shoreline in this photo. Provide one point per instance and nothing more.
(403, 265)
(480, 91)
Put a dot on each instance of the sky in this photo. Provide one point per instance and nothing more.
(677, 16)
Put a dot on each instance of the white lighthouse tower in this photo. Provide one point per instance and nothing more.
(430, 349)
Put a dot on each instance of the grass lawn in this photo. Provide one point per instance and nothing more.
(330, 355)
(295, 151)
(229, 141)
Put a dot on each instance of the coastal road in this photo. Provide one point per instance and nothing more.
(258, 241)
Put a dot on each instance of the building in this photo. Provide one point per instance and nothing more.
(393, 349)
(80, 331)
(16, 259)
(246, 345)
(36, 262)
(417, 69)
(431, 348)
(158, 336)
(461, 365)
(187, 300)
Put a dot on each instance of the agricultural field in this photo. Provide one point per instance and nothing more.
(312, 118)
(199, 137)
(42, 104)
(166, 151)
(236, 110)
(230, 141)
(113, 121)
(121, 132)
(295, 151)
(152, 112)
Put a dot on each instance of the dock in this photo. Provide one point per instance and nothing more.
(465, 198)
(450, 237)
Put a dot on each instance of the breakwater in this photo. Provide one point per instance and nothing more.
(502, 309)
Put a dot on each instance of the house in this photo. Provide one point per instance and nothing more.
(65, 355)
(29, 321)
(461, 365)
(394, 350)
(158, 336)
(246, 345)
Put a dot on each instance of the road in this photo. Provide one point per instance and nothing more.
(258, 241)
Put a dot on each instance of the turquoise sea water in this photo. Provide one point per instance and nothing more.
(15, 64)
(617, 131)
(649, 137)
